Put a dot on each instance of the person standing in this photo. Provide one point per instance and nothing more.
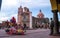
(25, 27)
(51, 27)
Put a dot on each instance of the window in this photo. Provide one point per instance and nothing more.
(25, 17)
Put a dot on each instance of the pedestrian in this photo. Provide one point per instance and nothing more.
(51, 26)
(0, 26)
(25, 27)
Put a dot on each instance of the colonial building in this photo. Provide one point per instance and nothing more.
(40, 21)
(25, 17)
(40, 15)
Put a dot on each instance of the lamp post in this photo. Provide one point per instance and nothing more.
(55, 9)
(0, 3)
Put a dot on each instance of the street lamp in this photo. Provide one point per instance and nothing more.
(55, 4)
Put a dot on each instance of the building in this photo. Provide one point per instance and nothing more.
(40, 15)
(40, 21)
(25, 17)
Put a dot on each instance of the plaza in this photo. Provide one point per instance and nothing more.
(34, 24)
(35, 33)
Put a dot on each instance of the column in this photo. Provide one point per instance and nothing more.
(30, 20)
(56, 23)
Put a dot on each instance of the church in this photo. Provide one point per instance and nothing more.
(25, 17)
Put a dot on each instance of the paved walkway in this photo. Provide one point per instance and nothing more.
(38, 33)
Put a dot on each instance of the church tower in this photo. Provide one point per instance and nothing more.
(24, 16)
(20, 11)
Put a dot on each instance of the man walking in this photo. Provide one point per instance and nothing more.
(51, 26)
(25, 27)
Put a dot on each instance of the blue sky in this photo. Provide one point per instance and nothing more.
(10, 8)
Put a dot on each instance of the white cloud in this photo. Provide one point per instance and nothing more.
(10, 2)
(2, 14)
(4, 17)
(13, 15)
(35, 3)
(9, 6)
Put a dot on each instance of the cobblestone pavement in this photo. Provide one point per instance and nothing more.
(38, 33)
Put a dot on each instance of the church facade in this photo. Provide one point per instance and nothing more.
(25, 17)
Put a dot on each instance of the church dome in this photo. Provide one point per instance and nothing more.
(40, 14)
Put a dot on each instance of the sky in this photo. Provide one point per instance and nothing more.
(10, 8)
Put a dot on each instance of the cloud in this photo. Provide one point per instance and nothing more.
(10, 2)
(2, 14)
(35, 3)
(3, 17)
(13, 15)
(10, 7)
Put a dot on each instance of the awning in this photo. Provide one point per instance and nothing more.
(55, 4)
